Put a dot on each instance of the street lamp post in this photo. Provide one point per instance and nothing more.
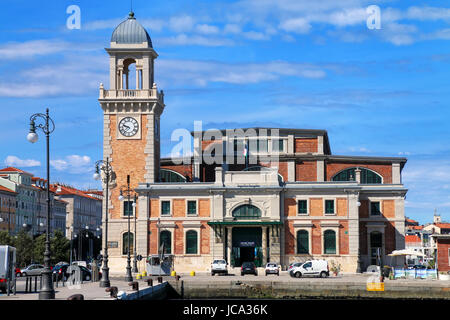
(107, 170)
(47, 291)
(71, 244)
(135, 268)
(128, 192)
(9, 216)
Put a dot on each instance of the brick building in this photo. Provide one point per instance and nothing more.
(442, 251)
(290, 199)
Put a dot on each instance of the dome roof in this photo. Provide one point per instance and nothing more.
(131, 32)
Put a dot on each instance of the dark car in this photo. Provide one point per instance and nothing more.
(248, 268)
(418, 266)
(61, 274)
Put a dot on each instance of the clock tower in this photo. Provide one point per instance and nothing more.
(131, 120)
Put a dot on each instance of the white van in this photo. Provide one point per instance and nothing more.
(315, 268)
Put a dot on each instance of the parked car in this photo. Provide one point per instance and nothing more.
(249, 268)
(18, 272)
(318, 268)
(219, 266)
(417, 266)
(294, 264)
(61, 273)
(32, 270)
(80, 263)
(272, 268)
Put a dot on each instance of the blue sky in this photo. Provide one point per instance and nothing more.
(281, 63)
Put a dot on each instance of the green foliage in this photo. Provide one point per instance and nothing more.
(39, 248)
(6, 239)
(24, 248)
(60, 247)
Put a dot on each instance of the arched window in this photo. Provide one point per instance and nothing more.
(246, 211)
(166, 239)
(261, 168)
(166, 175)
(302, 242)
(329, 242)
(127, 238)
(191, 242)
(367, 176)
(132, 77)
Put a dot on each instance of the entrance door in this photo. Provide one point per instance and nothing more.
(376, 244)
(247, 246)
(247, 254)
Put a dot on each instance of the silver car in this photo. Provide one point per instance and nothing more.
(32, 270)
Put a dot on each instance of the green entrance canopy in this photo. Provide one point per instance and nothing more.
(244, 223)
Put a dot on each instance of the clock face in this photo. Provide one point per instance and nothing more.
(128, 127)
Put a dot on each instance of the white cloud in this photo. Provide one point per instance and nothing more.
(183, 23)
(428, 13)
(188, 72)
(73, 164)
(20, 50)
(207, 29)
(13, 161)
(297, 25)
(232, 28)
(78, 75)
(189, 40)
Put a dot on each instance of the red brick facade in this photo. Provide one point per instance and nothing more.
(306, 171)
(306, 145)
(443, 247)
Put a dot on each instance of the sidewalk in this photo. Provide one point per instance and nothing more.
(90, 290)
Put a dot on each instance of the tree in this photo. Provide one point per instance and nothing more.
(24, 248)
(6, 239)
(60, 247)
(39, 248)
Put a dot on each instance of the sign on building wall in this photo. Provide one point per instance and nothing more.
(113, 244)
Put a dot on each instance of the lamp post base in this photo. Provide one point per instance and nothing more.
(47, 292)
(104, 282)
(129, 277)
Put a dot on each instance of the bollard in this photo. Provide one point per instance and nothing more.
(76, 297)
(160, 279)
(144, 273)
(134, 285)
(150, 282)
(112, 291)
(192, 273)
(138, 276)
(173, 273)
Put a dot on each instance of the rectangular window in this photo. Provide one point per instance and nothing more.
(302, 206)
(329, 207)
(375, 208)
(192, 207)
(165, 208)
(128, 208)
(277, 145)
(262, 145)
